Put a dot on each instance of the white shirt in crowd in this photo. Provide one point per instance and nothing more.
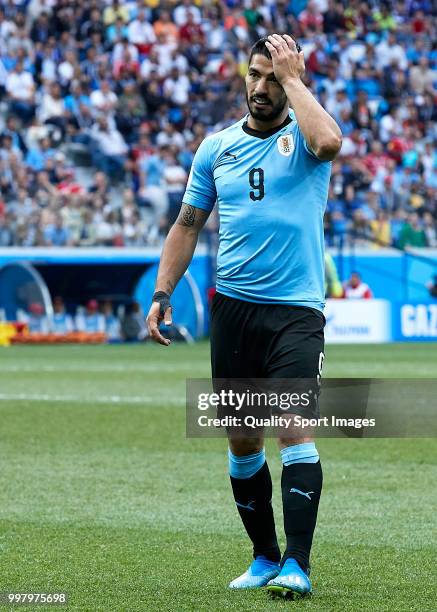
(351, 148)
(361, 292)
(36, 7)
(387, 53)
(141, 32)
(48, 69)
(177, 89)
(50, 107)
(180, 14)
(215, 37)
(335, 106)
(66, 71)
(101, 101)
(175, 178)
(147, 65)
(180, 62)
(332, 86)
(120, 48)
(7, 29)
(20, 86)
(164, 51)
(110, 142)
(165, 139)
(389, 127)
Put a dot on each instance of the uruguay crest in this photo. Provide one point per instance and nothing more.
(285, 145)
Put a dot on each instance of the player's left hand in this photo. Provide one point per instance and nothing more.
(288, 62)
(160, 310)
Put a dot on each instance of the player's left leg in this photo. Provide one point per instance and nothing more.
(301, 485)
(297, 353)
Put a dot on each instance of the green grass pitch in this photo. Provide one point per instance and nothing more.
(102, 495)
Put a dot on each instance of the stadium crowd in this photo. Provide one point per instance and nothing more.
(134, 86)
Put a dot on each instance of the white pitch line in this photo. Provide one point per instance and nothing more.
(110, 399)
(97, 368)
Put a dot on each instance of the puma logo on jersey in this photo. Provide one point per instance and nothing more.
(224, 158)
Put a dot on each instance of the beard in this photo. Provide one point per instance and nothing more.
(267, 113)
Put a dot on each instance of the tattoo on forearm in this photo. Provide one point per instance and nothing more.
(187, 215)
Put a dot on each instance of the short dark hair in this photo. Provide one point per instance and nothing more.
(259, 48)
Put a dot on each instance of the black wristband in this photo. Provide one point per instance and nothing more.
(163, 300)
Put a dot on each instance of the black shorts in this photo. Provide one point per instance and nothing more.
(270, 350)
(250, 340)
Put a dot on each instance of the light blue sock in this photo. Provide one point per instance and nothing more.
(246, 466)
(300, 453)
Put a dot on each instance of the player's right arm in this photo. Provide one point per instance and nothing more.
(176, 256)
(179, 246)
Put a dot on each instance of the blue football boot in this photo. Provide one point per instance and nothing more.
(260, 571)
(291, 583)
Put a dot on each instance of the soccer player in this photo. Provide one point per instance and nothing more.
(269, 174)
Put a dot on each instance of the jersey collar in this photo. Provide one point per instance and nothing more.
(263, 134)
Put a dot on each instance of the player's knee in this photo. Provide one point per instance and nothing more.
(292, 440)
(245, 446)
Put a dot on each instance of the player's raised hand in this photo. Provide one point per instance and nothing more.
(160, 310)
(288, 61)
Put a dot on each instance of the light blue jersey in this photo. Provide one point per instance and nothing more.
(271, 192)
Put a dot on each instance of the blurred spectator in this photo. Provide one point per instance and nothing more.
(176, 87)
(311, 19)
(432, 286)
(35, 319)
(21, 92)
(115, 11)
(62, 323)
(104, 100)
(354, 288)
(429, 227)
(90, 320)
(422, 77)
(390, 53)
(175, 179)
(151, 181)
(38, 154)
(6, 235)
(184, 10)
(56, 234)
(412, 233)
(112, 322)
(88, 229)
(133, 323)
(52, 108)
(141, 33)
(191, 31)
(163, 26)
(111, 149)
(381, 230)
